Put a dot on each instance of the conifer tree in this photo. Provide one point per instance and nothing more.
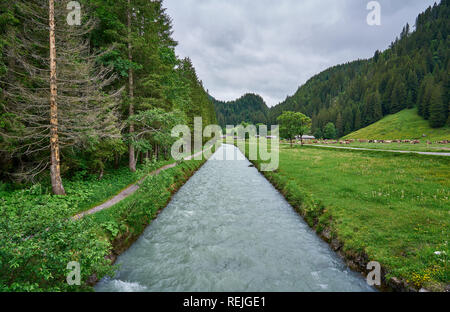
(438, 109)
(54, 91)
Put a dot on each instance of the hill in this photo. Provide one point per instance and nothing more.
(406, 124)
(249, 108)
(413, 72)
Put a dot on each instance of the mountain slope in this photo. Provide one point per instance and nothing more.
(406, 124)
(414, 71)
(249, 108)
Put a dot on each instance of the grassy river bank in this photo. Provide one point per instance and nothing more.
(390, 208)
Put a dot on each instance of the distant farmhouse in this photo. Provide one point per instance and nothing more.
(305, 137)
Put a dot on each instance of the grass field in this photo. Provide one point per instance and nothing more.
(422, 147)
(406, 124)
(394, 208)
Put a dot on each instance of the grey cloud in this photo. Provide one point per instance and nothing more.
(270, 47)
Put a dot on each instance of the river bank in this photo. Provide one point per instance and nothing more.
(123, 223)
(334, 191)
(40, 237)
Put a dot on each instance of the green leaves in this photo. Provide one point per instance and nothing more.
(120, 64)
(293, 124)
(154, 126)
(111, 227)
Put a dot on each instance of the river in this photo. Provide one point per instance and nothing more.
(228, 229)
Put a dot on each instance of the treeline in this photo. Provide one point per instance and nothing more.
(413, 72)
(249, 108)
(108, 90)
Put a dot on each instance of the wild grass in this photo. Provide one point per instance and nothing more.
(422, 147)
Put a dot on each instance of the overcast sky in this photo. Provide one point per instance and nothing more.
(271, 47)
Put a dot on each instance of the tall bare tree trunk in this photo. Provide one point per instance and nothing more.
(132, 160)
(116, 160)
(55, 169)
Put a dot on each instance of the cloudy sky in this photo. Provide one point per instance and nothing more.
(271, 47)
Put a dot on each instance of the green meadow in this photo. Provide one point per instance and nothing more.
(405, 125)
(421, 147)
(391, 208)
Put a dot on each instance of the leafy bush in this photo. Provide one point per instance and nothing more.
(37, 244)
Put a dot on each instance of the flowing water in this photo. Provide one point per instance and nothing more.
(228, 229)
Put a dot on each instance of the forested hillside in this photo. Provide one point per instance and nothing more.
(414, 71)
(250, 108)
(102, 93)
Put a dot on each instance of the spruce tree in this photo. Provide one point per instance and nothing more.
(438, 109)
(339, 125)
(398, 98)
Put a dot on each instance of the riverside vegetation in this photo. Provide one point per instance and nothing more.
(374, 207)
(39, 238)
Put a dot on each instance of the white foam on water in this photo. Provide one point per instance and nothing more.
(123, 286)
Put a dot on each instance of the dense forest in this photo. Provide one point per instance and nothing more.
(413, 72)
(105, 91)
(249, 108)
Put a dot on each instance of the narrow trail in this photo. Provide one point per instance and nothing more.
(381, 150)
(129, 190)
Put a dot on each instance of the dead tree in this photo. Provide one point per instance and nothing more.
(132, 160)
(55, 167)
(55, 90)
